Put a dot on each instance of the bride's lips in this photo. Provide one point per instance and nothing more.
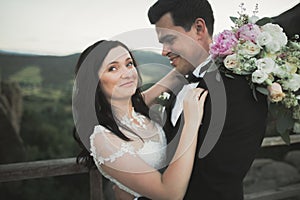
(127, 84)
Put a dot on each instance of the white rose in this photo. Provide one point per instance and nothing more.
(249, 48)
(253, 19)
(271, 28)
(263, 39)
(276, 33)
(231, 61)
(266, 65)
(275, 92)
(259, 76)
(281, 38)
(281, 71)
(296, 128)
(293, 83)
(292, 68)
(273, 46)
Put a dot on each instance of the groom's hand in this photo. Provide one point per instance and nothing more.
(121, 194)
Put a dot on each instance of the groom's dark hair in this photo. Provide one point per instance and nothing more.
(183, 12)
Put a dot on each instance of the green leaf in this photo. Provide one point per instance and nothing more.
(254, 94)
(263, 90)
(286, 137)
(274, 110)
(295, 45)
(233, 19)
(229, 76)
(284, 123)
(245, 73)
(264, 21)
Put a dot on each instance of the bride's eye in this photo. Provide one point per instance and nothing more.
(129, 64)
(112, 68)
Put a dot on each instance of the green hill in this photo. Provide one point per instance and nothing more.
(58, 71)
(50, 77)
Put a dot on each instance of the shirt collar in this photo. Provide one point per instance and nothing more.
(197, 69)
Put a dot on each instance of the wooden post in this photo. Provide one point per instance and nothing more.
(96, 185)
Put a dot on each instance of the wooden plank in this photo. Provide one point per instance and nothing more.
(96, 185)
(276, 194)
(40, 169)
(277, 141)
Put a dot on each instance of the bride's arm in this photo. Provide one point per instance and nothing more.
(173, 81)
(133, 172)
(149, 182)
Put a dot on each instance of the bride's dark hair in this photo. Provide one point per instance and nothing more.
(102, 108)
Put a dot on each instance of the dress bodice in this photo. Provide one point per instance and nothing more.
(108, 148)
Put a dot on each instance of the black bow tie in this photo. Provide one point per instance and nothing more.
(191, 78)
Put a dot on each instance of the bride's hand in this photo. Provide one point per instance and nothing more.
(193, 106)
(121, 194)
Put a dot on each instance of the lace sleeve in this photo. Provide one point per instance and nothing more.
(112, 151)
(106, 148)
(104, 151)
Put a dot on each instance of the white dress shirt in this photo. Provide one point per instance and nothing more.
(178, 106)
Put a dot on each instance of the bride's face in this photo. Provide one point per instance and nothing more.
(118, 75)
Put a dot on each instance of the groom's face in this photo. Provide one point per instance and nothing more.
(180, 46)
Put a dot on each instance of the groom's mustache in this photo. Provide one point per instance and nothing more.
(172, 56)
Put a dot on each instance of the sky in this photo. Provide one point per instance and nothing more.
(63, 27)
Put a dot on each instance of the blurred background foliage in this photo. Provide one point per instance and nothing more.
(37, 90)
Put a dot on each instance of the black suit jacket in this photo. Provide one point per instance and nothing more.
(219, 175)
(289, 21)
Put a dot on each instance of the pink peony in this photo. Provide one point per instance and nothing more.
(248, 32)
(223, 44)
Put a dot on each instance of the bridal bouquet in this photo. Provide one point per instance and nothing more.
(261, 51)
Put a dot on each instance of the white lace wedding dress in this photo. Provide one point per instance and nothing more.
(107, 148)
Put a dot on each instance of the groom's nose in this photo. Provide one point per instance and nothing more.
(165, 50)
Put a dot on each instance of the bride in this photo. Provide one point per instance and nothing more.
(127, 146)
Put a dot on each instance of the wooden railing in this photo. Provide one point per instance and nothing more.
(68, 166)
(50, 168)
(276, 194)
(277, 141)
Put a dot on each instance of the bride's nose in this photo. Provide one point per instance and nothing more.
(127, 72)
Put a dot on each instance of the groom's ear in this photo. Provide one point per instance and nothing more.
(200, 27)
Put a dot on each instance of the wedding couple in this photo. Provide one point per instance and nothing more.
(129, 147)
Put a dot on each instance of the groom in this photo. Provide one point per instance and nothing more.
(219, 175)
(182, 27)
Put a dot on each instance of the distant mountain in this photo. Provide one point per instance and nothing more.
(56, 71)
